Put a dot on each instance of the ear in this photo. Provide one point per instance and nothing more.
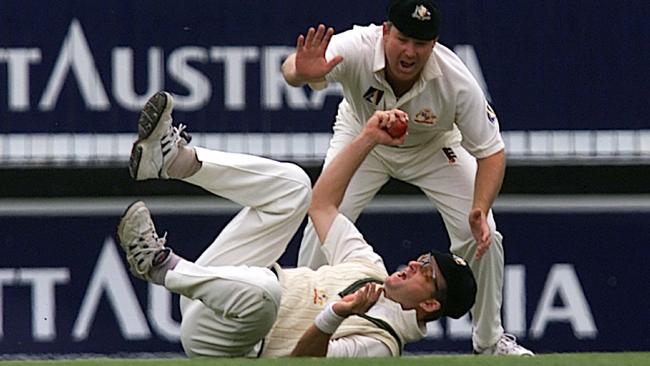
(430, 305)
(385, 29)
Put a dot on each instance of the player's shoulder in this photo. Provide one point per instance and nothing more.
(358, 38)
(453, 68)
(448, 60)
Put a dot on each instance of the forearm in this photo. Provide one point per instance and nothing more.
(330, 187)
(489, 178)
(332, 183)
(313, 343)
(289, 71)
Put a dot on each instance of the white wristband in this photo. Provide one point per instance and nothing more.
(327, 321)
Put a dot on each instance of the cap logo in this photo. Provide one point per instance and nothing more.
(460, 261)
(421, 13)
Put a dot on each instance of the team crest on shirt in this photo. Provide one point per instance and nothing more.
(373, 95)
(320, 297)
(492, 117)
(460, 261)
(421, 13)
(426, 117)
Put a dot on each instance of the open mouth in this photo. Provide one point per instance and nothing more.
(407, 66)
(402, 275)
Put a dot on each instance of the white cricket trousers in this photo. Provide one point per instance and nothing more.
(450, 187)
(230, 297)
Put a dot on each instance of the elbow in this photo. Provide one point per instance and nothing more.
(314, 209)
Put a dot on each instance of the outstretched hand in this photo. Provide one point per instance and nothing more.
(480, 230)
(359, 302)
(311, 64)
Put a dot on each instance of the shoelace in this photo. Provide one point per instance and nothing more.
(179, 132)
(507, 343)
(139, 252)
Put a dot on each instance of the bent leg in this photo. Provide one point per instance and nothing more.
(275, 197)
(234, 307)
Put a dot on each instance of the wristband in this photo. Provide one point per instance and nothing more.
(327, 321)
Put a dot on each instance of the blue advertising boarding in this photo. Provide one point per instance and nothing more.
(574, 281)
(87, 67)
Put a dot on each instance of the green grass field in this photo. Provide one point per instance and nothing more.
(564, 359)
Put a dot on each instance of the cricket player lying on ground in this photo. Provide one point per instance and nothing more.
(236, 301)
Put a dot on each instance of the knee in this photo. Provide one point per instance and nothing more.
(272, 290)
(301, 190)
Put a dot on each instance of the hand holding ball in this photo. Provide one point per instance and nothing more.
(397, 129)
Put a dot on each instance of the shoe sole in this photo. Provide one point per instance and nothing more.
(128, 212)
(149, 118)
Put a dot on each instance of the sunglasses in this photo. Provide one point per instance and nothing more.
(426, 260)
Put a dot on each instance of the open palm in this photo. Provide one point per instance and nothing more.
(359, 302)
(311, 64)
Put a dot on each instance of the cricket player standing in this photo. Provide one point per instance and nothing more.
(454, 152)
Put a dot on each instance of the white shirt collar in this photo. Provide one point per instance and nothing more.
(405, 322)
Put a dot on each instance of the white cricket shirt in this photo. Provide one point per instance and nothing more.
(446, 104)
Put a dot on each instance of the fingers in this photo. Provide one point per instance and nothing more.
(480, 250)
(401, 115)
(328, 35)
(309, 39)
(481, 232)
(317, 37)
(388, 118)
(384, 118)
(360, 301)
(376, 292)
(368, 296)
(483, 240)
(392, 118)
(483, 244)
(334, 61)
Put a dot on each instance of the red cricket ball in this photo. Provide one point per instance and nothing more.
(397, 129)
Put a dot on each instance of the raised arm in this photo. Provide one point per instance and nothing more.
(331, 185)
(308, 64)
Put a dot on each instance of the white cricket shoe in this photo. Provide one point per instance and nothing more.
(138, 238)
(506, 346)
(158, 140)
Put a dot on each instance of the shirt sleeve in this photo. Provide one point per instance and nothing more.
(344, 243)
(478, 123)
(337, 48)
(357, 346)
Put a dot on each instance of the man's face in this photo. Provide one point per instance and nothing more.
(405, 56)
(415, 283)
